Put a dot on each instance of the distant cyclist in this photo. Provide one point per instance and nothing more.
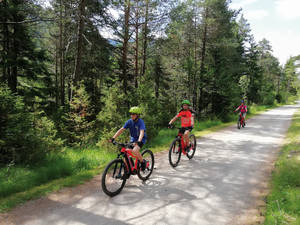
(243, 109)
(187, 120)
(137, 130)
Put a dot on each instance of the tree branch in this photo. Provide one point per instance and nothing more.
(27, 21)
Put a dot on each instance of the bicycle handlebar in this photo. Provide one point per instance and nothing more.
(128, 145)
(172, 127)
(175, 127)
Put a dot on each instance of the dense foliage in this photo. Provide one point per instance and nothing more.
(71, 70)
(25, 136)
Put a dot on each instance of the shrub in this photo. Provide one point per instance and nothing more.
(24, 136)
(77, 126)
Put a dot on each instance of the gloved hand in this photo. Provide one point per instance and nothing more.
(140, 144)
(170, 125)
(112, 140)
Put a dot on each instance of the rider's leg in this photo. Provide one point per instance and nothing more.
(186, 137)
(137, 154)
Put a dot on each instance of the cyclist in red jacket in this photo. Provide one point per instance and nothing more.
(187, 120)
(243, 109)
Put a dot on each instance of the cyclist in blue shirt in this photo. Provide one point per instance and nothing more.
(137, 130)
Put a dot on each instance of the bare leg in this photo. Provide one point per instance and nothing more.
(136, 152)
(186, 137)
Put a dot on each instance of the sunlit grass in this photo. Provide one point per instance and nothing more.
(68, 163)
(11, 201)
(283, 202)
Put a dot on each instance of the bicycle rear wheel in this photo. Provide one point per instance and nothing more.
(174, 153)
(114, 177)
(191, 151)
(149, 157)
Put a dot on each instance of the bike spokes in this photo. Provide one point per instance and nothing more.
(239, 123)
(149, 158)
(192, 147)
(114, 177)
(174, 153)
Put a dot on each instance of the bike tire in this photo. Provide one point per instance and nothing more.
(174, 153)
(239, 124)
(149, 157)
(191, 152)
(244, 124)
(114, 177)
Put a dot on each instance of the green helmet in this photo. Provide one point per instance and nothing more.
(185, 102)
(135, 110)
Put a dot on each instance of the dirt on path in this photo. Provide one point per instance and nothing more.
(224, 183)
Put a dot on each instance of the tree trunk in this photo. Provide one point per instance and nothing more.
(203, 52)
(195, 64)
(12, 81)
(77, 69)
(145, 43)
(136, 44)
(56, 73)
(278, 84)
(61, 57)
(157, 88)
(79, 41)
(125, 46)
(5, 53)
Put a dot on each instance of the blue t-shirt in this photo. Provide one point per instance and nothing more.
(134, 128)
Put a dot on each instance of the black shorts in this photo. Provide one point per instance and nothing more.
(183, 129)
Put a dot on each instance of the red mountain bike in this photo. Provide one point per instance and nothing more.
(241, 121)
(119, 170)
(178, 147)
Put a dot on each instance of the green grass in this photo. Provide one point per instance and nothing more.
(283, 202)
(69, 167)
(73, 166)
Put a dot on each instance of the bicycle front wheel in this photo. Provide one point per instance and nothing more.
(174, 153)
(244, 124)
(149, 157)
(114, 177)
(239, 123)
(193, 143)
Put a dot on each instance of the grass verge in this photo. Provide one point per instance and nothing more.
(283, 202)
(67, 168)
(71, 167)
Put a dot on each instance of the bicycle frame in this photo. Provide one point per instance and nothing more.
(182, 144)
(130, 165)
(241, 118)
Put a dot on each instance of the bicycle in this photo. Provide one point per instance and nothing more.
(241, 121)
(120, 169)
(178, 147)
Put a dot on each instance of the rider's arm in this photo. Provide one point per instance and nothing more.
(192, 121)
(237, 108)
(119, 132)
(173, 120)
(142, 132)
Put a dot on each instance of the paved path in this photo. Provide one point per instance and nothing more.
(220, 184)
